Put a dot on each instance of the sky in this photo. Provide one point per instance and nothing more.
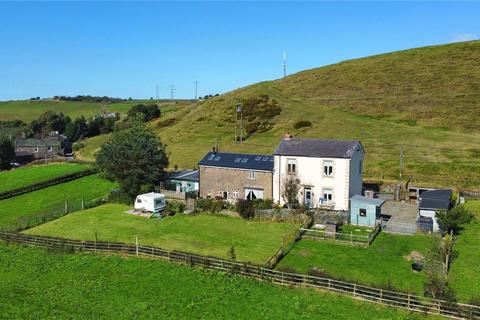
(126, 49)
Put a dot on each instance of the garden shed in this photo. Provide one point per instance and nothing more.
(365, 211)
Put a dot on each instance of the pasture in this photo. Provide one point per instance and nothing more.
(204, 234)
(50, 285)
(381, 264)
(24, 176)
(464, 274)
(52, 199)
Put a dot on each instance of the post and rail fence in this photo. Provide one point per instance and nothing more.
(405, 301)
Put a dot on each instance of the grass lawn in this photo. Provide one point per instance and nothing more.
(38, 284)
(202, 234)
(380, 264)
(53, 198)
(21, 177)
(465, 275)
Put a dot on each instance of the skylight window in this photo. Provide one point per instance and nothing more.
(265, 159)
(244, 160)
(258, 158)
(217, 158)
(210, 158)
(237, 160)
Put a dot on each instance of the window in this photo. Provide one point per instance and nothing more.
(139, 200)
(50, 149)
(236, 194)
(363, 213)
(35, 149)
(291, 166)
(328, 168)
(328, 195)
(360, 167)
(252, 175)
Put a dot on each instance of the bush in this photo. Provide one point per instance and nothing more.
(174, 207)
(245, 208)
(262, 204)
(454, 219)
(302, 124)
(209, 205)
(78, 145)
(118, 196)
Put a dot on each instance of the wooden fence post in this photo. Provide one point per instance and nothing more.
(354, 289)
(83, 204)
(408, 301)
(136, 245)
(66, 207)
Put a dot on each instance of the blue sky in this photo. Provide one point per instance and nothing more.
(125, 49)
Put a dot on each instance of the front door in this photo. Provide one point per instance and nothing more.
(308, 197)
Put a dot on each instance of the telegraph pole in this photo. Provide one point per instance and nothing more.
(196, 90)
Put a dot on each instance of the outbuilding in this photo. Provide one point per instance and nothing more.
(150, 202)
(432, 202)
(365, 211)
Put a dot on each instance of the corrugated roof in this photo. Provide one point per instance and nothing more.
(435, 199)
(372, 201)
(186, 175)
(317, 148)
(238, 161)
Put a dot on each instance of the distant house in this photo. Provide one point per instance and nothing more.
(184, 180)
(365, 211)
(330, 171)
(233, 176)
(432, 202)
(40, 148)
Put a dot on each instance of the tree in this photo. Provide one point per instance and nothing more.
(7, 153)
(291, 187)
(77, 129)
(50, 121)
(148, 112)
(134, 157)
(453, 220)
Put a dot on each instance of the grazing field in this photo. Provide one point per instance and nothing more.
(204, 234)
(52, 199)
(464, 274)
(381, 264)
(24, 176)
(38, 284)
(27, 111)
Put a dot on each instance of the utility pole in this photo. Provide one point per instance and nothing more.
(172, 91)
(284, 64)
(399, 187)
(196, 90)
(157, 92)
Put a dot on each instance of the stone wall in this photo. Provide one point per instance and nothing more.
(214, 181)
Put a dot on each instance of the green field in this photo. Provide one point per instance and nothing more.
(38, 284)
(52, 199)
(24, 176)
(381, 264)
(204, 234)
(465, 275)
(27, 111)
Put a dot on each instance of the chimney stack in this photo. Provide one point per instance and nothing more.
(288, 136)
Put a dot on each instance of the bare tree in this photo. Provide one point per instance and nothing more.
(291, 187)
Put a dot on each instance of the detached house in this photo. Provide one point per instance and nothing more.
(233, 176)
(330, 171)
(50, 146)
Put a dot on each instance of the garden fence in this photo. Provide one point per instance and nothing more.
(46, 183)
(349, 238)
(405, 301)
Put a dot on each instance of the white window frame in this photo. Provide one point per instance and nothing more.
(328, 168)
(252, 175)
(327, 191)
(236, 194)
(291, 166)
(49, 148)
(35, 149)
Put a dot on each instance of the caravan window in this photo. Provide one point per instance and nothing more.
(139, 200)
(158, 202)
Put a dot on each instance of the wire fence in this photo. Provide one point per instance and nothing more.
(348, 238)
(405, 301)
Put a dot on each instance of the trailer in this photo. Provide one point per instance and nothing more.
(150, 202)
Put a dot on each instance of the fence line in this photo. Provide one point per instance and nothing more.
(284, 249)
(349, 238)
(46, 183)
(405, 301)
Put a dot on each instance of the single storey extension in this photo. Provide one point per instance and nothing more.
(233, 176)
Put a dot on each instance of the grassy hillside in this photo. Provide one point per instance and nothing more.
(21, 177)
(27, 111)
(38, 284)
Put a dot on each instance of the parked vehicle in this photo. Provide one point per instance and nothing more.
(150, 202)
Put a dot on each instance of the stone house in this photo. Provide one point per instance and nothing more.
(40, 148)
(233, 176)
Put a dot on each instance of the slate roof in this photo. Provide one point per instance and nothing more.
(367, 200)
(185, 175)
(320, 148)
(33, 142)
(238, 161)
(435, 199)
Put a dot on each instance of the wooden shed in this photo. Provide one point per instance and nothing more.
(365, 211)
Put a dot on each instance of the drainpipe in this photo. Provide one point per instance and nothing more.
(279, 178)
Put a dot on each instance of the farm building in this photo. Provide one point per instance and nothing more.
(183, 181)
(365, 211)
(430, 203)
(233, 176)
(330, 171)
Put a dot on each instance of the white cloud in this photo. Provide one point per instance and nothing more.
(460, 37)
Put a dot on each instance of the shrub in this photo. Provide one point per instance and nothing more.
(245, 208)
(262, 204)
(454, 219)
(118, 196)
(209, 204)
(174, 207)
(78, 145)
(302, 124)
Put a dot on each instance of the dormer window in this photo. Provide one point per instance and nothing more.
(328, 168)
